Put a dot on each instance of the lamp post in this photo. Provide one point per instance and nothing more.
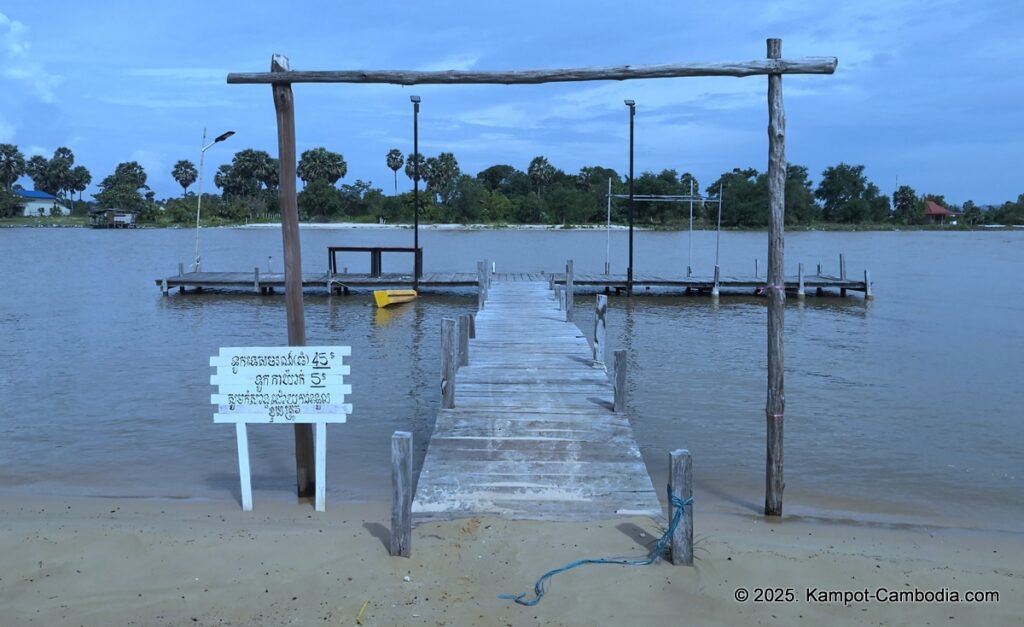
(199, 200)
(415, 190)
(629, 271)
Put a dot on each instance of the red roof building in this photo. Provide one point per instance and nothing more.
(936, 213)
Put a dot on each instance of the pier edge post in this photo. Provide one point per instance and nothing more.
(681, 486)
(401, 495)
(600, 328)
(464, 340)
(619, 382)
(256, 279)
(447, 363)
(868, 293)
(714, 289)
(568, 290)
(800, 281)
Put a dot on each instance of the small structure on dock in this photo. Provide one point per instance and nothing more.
(112, 219)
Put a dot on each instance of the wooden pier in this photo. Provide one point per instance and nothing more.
(343, 283)
(532, 433)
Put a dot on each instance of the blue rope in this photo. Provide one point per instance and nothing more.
(652, 557)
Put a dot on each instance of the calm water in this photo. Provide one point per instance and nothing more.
(906, 407)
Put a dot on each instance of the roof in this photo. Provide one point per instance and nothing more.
(935, 209)
(24, 193)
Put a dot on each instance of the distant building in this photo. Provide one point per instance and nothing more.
(40, 203)
(112, 219)
(937, 214)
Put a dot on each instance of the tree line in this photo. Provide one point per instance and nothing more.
(499, 194)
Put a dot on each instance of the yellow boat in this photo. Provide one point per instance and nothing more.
(393, 297)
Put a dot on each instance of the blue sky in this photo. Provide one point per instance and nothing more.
(929, 92)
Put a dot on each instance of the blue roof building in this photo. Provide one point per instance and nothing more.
(40, 203)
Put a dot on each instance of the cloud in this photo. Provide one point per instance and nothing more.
(20, 65)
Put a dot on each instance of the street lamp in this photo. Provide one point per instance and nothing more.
(415, 100)
(199, 201)
(629, 271)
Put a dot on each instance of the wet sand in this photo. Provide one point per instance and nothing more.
(162, 562)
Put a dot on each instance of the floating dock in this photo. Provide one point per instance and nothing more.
(532, 433)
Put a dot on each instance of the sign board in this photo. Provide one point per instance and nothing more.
(275, 384)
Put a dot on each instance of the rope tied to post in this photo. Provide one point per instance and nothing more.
(655, 555)
(770, 286)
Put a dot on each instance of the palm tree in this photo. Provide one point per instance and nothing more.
(541, 172)
(411, 163)
(12, 165)
(320, 164)
(80, 179)
(185, 174)
(395, 162)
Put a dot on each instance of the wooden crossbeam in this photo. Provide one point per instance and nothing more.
(760, 67)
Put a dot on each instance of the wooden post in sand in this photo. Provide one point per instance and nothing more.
(284, 106)
(775, 406)
(619, 382)
(447, 363)
(680, 477)
(401, 495)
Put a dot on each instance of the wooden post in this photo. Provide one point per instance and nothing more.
(842, 272)
(447, 363)
(619, 382)
(472, 327)
(757, 267)
(242, 435)
(775, 405)
(561, 297)
(714, 289)
(568, 290)
(284, 106)
(800, 281)
(600, 327)
(551, 282)
(181, 269)
(163, 286)
(401, 495)
(464, 340)
(321, 467)
(481, 286)
(868, 294)
(256, 279)
(680, 478)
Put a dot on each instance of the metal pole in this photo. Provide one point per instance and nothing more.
(718, 230)
(199, 202)
(689, 261)
(415, 187)
(608, 232)
(629, 273)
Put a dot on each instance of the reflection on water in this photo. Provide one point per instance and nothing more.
(105, 381)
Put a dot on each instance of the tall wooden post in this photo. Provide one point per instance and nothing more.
(568, 290)
(680, 477)
(448, 358)
(401, 494)
(600, 328)
(463, 348)
(284, 105)
(775, 406)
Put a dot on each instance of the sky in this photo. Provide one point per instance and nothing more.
(927, 93)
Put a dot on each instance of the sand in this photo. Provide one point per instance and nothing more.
(98, 561)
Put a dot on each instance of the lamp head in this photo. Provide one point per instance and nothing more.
(414, 99)
(630, 103)
(223, 136)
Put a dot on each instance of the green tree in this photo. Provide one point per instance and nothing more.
(540, 172)
(184, 172)
(320, 164)
(441, 174)
(415, 167)
(121, 190)
(847, 196)
(12, 165)
(907, 209)
(745, 201)
(319, 199)
(395, 160)
(972, 214)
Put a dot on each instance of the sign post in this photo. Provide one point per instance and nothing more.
(281, 384)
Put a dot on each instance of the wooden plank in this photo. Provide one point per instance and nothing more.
(401, 494)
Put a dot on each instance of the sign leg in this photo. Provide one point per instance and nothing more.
(243, 465)
(321, 466)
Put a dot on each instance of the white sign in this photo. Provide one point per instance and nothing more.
(296, 384)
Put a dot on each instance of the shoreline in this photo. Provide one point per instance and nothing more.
(114, 561)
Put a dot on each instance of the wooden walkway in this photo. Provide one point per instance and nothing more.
(532, 434)
(445, 280)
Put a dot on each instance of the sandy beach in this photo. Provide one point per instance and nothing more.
(159, 562)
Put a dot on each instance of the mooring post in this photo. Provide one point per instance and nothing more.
(163, 286)
(551, 282)
(561, 297)
(800, 281)
(447, 363)
(607, 268)
(714, 288)
(868, 294)
(600, 327)
(464, 340)
(181, 269)
(775, 404)
(285, 109)
(256, 279)
(568, 290)
(472, 326)
(680, 477)
(620, 380)
(757, 267)
(481, 288)
(401, 495)
(842, 272)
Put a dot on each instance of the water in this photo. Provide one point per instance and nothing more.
(906, 407)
